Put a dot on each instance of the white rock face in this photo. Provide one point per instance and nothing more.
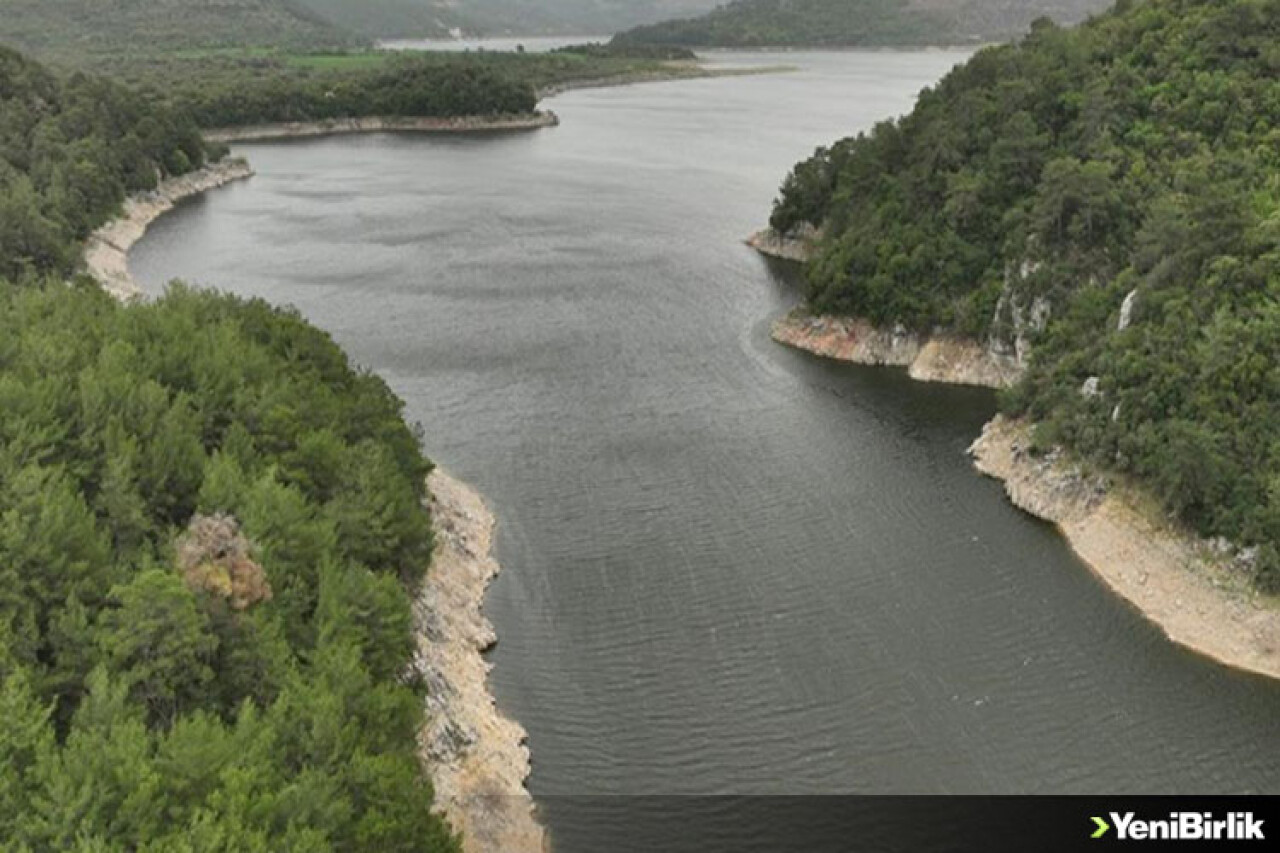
(1016, 321)
(1126, 311)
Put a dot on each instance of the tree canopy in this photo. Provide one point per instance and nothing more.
(71, 148)
(172, 679)
(211, 527)
(70, 27)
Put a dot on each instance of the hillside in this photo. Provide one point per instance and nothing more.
(1123, 179)
(435, 18)
(63, 27)
(210, 525)
(754, 23)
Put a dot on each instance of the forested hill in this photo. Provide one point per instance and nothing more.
(435, 18)
(753, 23)
(65, 27)
(1126, 176)
(210, 531)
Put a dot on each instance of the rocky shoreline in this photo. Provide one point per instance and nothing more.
(106, 252)
(933, 358)
(384, 124)
(476, 757)
(798, 248)
(1191, 590)
(1195, 593)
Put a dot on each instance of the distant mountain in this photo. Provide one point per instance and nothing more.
(748, 23)
(106, 26)
(436, 18)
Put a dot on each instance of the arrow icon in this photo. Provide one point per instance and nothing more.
(1103, 826)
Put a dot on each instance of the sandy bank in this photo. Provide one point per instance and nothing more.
(384, 124)
(935, 358)
(1199, 601)
(476, 757)
(106, 252)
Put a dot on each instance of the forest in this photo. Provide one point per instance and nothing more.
(1125, 175)
(265, 61)
(71, 149)
(237, 88)
(244, 85)
(866, 23)
(79, 29)
(227, 91)
(210, 527)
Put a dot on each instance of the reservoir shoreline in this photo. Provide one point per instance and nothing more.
(1197, 599)
(384, 124)
(944, 358)
(477, 757)
(106, 252)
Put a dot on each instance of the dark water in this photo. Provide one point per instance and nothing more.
(730, 568)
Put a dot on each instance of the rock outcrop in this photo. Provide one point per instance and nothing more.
(797, 246)
(477, 758)
(935, 358)
(1187, 587)
(106, 253)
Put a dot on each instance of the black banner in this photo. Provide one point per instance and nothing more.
(895, 824)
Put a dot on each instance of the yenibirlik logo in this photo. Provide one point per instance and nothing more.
(1182, 826)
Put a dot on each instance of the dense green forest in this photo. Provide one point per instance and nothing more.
(754, 23)
(223, 91)
(1135, 159)
(71, 148)
(261, 73)
(210, 524)
(266, 61)
(75, 29)
(238, 88)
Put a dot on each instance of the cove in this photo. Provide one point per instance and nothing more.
(729, 567)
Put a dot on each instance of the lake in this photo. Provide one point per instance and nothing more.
(730, 568)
